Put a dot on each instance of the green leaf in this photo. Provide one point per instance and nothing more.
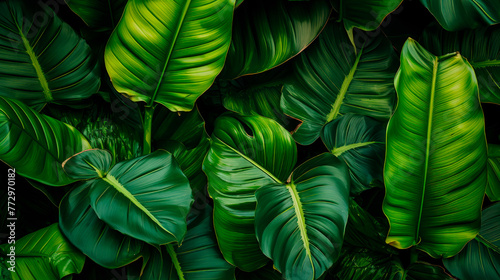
(88, 164)
(169, 52)
(198, 257)
(147, 198)
(493, 188)
(360, 142)
(465, 14)
(247, 152)
(44, 254)
(45, 62)
(101, 243)
(264, 38)
(331, 79)
(102, 15)
(300, 225)
(366, 15)
(425, 271)
(36, 145)
(480, 259)
(480, 46)
(435, 169)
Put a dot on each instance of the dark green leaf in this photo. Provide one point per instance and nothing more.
(88, 164)
(102, 15)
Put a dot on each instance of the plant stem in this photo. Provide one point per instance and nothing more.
(148, 120)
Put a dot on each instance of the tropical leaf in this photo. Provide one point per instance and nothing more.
(247, 152)
(366, 15)
(493, 188)
(44, 254)
(198, 257)
(36, 145)
(300, 225)
(169, 52)
(331, 80)
(425, 271)
(480, 46)
(101, 243)
(102, 15)
(88, 164)
(466, 14)
(480, 259)
(360, 142)
(147, 198)
(43, 63)
(265, 38)
(435, 170)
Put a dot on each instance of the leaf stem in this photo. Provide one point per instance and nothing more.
(147, 122)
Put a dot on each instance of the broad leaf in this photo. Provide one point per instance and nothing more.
(425, 271)
(300, 225)
(264, 38)
(102, 15)
(364, 14)
(101, 243)
(197, 258)
(36, 145)
(360, 142)
(493, 188)
(480, 46)
(147, 198)
(465, 14)
(480, 259)
(88, 164)
(331, 79)
(169, 52)
(44, 254)
(435, 169)
(42, 60)
(247, 152)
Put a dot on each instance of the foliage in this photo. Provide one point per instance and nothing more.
(224, 139)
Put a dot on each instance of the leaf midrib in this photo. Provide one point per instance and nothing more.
(343, 90)
(301, 220)
(169, 53)
(36, 64)
(173, 256)
(111, 180)
(251, 161)
(428, 143)
(342, 149)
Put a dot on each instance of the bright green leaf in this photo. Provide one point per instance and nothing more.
(169, 52)
(435, 170)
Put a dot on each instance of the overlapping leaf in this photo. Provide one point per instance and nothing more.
(435, 170)
(331, 79)
(264, 38)
(169, 52)
(247, 152)
(36, 145)
(102, 15)
(43, 61)
(493, 188)
(360, 142)
(300, 225)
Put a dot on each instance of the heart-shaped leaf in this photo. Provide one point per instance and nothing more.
(247, 152)
(88, 164)
(300, 225)
(435, 169)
